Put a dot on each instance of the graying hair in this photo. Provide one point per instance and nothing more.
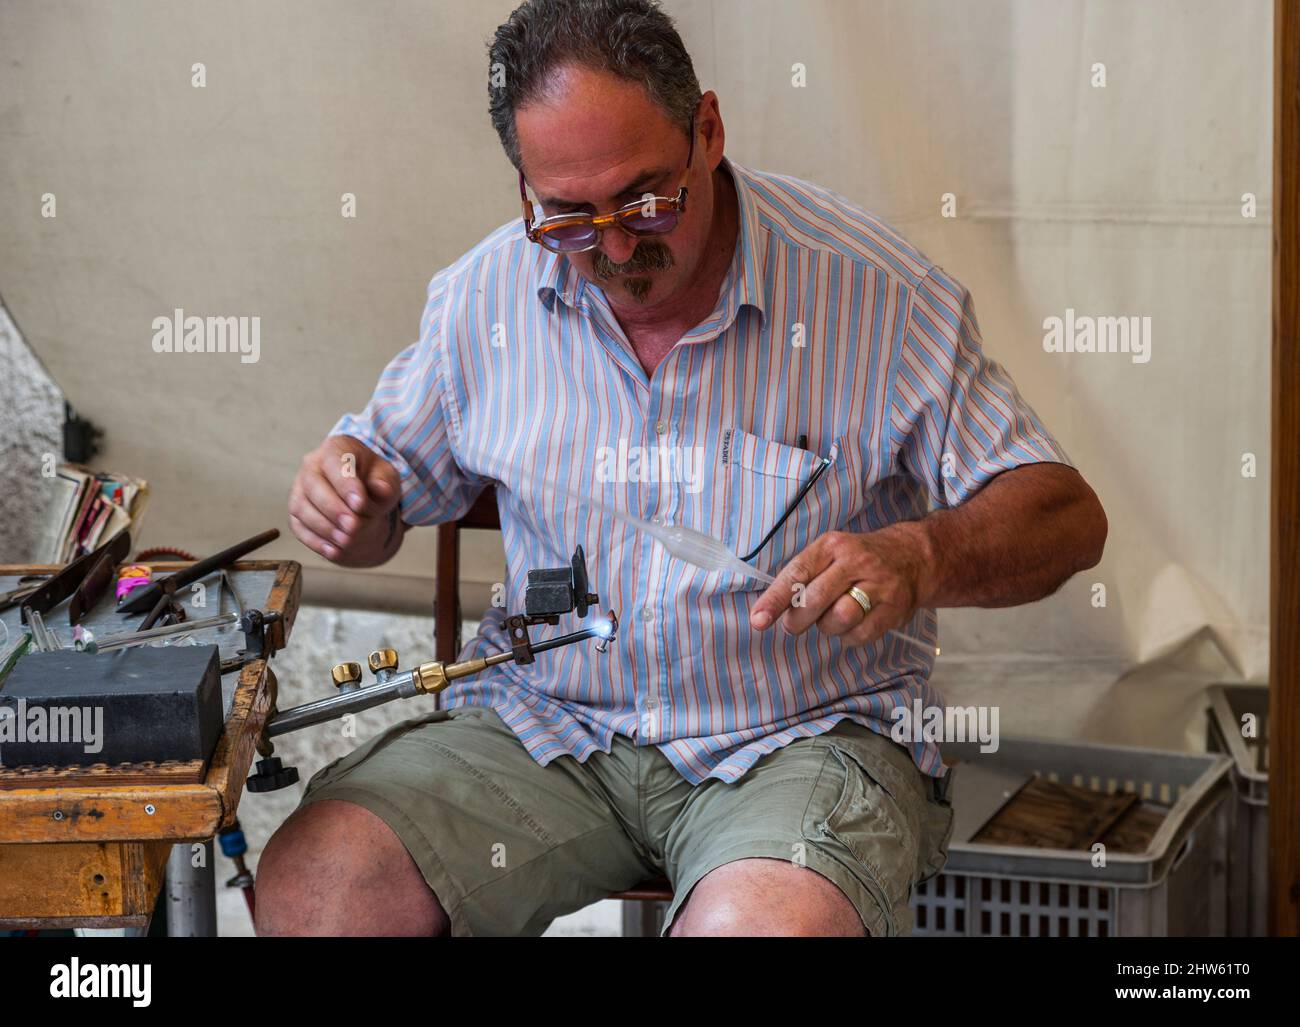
(633, 39)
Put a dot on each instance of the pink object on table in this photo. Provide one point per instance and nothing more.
(130, 578)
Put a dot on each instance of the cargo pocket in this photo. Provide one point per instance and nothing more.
(936, 833)
(874, 822)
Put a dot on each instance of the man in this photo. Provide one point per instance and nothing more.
(740, 333)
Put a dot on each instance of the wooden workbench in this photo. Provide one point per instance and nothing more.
(91, 852)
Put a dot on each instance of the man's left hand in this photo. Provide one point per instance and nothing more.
(890, 566)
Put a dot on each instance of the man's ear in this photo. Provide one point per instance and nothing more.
(709, 120)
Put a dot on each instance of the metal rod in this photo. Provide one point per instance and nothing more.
(334, 706)
(403, 686)
(141, 637)
(457, 670)
(45, 639)
(555, 643)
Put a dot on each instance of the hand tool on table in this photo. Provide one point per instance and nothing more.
(228, 586)
(166, 611)
(27, 584)
(131, 577)
(84, 580)
(147, 597)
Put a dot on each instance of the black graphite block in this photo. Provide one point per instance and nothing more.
(549, 591)
(126, 706)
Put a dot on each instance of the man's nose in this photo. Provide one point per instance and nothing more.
(617, 245)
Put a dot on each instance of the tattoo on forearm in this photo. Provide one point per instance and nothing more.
(393, 516)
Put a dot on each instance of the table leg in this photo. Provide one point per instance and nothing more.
(643, 919)
(191, 891)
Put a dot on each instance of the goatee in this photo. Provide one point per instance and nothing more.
(648, 256)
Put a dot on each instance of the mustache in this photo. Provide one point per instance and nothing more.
(648, 256)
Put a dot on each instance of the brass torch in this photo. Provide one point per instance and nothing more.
(426, 679)
(550, 593)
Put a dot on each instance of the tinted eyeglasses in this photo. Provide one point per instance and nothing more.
(576, 233)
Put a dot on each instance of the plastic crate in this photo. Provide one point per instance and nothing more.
(1248, 849)
(1178, 886)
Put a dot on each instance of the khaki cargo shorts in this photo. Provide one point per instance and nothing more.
(507, 845)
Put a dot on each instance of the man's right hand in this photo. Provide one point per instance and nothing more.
(344, 503)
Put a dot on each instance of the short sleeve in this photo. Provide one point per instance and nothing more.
(957, 419)
(409, 421)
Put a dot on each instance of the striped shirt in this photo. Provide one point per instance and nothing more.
(828, 325)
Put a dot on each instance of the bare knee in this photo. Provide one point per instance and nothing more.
(335, 868)
(766, 897)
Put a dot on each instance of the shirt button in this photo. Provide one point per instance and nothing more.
(650, 703)
(647, 613)
(661, 427)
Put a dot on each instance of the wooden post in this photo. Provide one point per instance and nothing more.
(1284, 646)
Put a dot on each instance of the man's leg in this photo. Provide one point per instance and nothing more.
(825, 836)
(335, 868)
(766, 897)
(445, 823)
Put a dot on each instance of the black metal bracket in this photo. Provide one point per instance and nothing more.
(80, 437)
(255, 624)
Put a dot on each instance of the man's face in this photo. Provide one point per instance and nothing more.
(596, 143)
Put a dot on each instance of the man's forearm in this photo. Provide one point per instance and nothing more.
(1015, 541)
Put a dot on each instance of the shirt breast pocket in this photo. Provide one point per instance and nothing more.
(763, 477)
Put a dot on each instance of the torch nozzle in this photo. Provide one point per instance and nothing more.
(608, 632)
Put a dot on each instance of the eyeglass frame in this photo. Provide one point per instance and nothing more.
(818, 471)
(614, 219)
